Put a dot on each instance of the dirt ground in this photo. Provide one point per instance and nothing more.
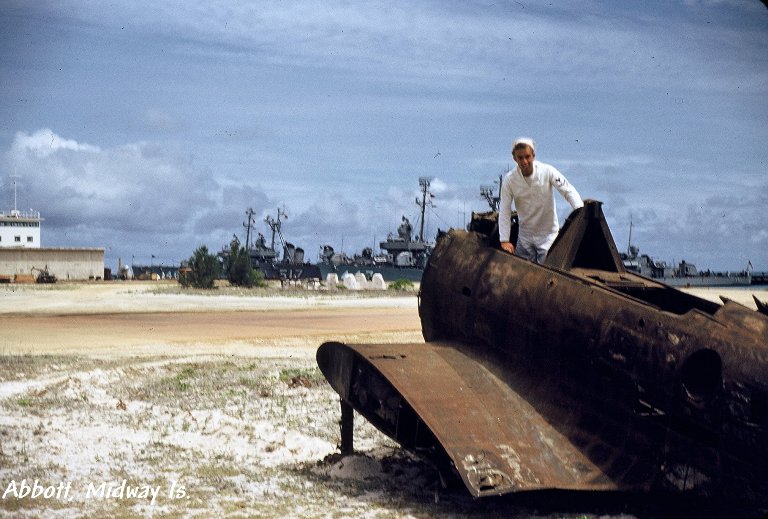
(127, 319)
(139, 399)
(196, 332)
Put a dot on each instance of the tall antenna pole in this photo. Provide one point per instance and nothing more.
(247, 226)
(13, 180)
(275, 225)
(424, 185)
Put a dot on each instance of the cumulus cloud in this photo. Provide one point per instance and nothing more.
(43, 143)
(105, 197)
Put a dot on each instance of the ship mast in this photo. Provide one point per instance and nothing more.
(423, 203)
(487, 193)
(247, 226)
(275, 225)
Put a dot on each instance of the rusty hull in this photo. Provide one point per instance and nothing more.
(574, 374)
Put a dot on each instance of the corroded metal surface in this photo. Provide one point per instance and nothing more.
(572, 374)
(434, 397)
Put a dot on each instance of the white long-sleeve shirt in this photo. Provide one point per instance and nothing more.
(535, 203)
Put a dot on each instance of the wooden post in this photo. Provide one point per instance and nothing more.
(347, 428)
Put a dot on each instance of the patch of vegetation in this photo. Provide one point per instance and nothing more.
(298, 377)
(203, 270)
(182, 379)
(239, 269)
(206, 385)
(22, 367)
(402, 285)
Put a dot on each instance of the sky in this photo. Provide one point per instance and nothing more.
(148, 128)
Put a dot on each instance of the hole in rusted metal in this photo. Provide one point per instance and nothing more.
(702, 374)
(466, 291)
(488, 483)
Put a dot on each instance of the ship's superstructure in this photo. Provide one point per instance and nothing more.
(264, 257)
(402, 256)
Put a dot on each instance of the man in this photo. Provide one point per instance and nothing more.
(530, 185)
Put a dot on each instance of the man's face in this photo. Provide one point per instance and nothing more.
(524, 158)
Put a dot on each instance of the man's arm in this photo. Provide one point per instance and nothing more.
(505, 215)
(565, 188)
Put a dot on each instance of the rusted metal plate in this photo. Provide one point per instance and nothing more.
(496, 440)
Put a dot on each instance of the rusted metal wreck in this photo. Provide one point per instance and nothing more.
(575, 374)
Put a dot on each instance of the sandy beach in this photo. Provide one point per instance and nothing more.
(212, 399)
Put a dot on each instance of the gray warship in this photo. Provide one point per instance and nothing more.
(685, 274)
(291, 266)
(403, 255)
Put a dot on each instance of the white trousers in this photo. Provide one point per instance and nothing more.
(534, 249)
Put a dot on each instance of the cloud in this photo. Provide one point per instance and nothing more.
(581, 43)
(108, 195)
(43, 143)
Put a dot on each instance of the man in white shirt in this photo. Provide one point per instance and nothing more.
(530, 185)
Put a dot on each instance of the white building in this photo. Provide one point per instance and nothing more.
(22, 254)
(20, 229)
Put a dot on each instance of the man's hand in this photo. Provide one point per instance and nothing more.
(508, 246)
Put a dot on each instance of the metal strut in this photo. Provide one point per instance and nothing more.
(347, 425)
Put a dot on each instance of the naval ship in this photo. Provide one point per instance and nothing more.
(290, 267)
(685, 274)
(402, 256)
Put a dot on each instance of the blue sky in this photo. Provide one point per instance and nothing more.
(148, 128)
